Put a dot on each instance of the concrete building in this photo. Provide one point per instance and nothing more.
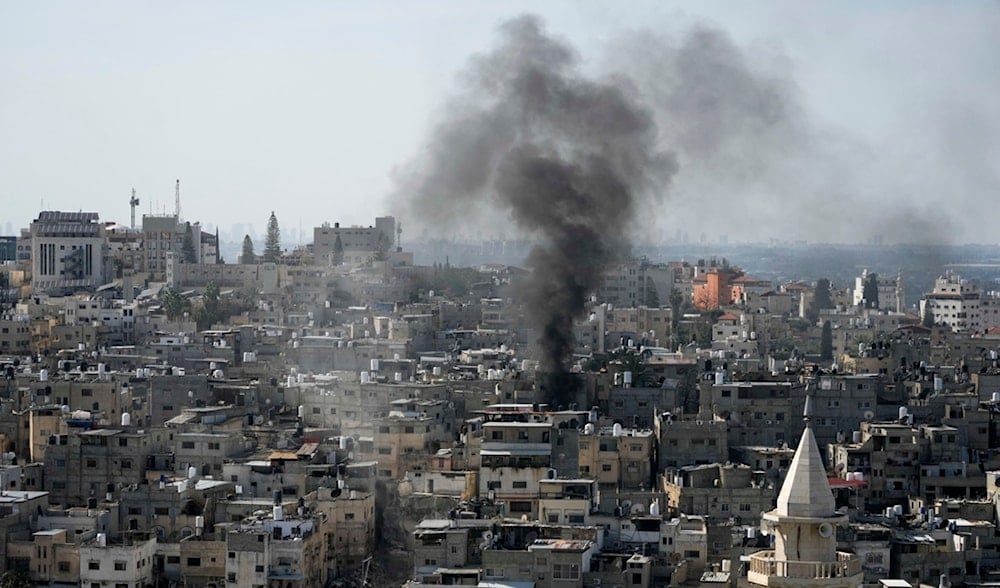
(958, 304)
(357, 242)
(126, 561)
(69, 252)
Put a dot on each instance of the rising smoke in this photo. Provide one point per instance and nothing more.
(569, 158)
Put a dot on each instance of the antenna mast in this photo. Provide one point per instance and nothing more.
(177, 200)
(133, 202)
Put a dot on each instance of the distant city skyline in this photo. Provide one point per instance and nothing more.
(888, 122)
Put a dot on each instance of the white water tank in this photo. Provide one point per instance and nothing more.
(126, 419)
(301, 411)
(720, 377)
(374, 363)
(897, 510)
(616, 430)
(588, 429)
(436, 371)
(192, 472)
(627, 379)
(996, 395)
(102, 540)
(856, 437)
(902, 412)
(43, 376)
(938, 384)
(366, 378)
(654, 508)
(397, 377)
(278, 513)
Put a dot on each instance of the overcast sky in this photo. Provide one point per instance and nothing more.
(310, 108)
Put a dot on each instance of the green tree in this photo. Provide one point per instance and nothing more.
(248, 255)
(826, 342)
(652, 295)
(382, 244)
(174, 305)
(272, 242)
(338, 251)
(676, 300)
(187, 247)
(218, 248)
(821, 300)
(212, 310)
(928, 315)
(870, 291)
(16, 579)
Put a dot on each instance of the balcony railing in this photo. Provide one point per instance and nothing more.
(763, 565)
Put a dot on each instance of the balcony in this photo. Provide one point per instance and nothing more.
(765, 570)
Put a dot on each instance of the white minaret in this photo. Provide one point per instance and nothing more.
(804, 527)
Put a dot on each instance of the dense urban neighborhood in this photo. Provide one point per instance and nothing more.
(335, 414)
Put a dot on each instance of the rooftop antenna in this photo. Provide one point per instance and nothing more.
(133, 202)
(177, 200)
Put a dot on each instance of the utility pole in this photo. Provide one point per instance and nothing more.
(133, 202)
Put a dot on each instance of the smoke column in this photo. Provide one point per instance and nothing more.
(568, 157)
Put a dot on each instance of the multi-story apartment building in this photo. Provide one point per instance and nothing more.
(618, 458)
(69, 252)
(125, 561)
(961, 305)
(81, 465)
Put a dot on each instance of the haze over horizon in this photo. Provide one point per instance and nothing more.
(827, 123)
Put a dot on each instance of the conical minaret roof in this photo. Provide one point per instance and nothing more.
(806, 491)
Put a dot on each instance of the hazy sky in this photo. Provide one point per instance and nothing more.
(890, 118)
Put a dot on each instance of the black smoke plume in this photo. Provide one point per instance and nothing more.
(570, 159)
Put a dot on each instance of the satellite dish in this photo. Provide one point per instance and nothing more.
(825, 530)
(765, 526)
(869, 415)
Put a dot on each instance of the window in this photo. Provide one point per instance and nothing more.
(93, 565)
(194, 562)
(606, 467)
(91, 463)
(187, 444)
(494, 485)
(567, 571)
(520, 506)
(521, 484)
(745, 507)
(496, 435)
(63, 566)
(122, 442)
(213, 446)
(120, 566)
